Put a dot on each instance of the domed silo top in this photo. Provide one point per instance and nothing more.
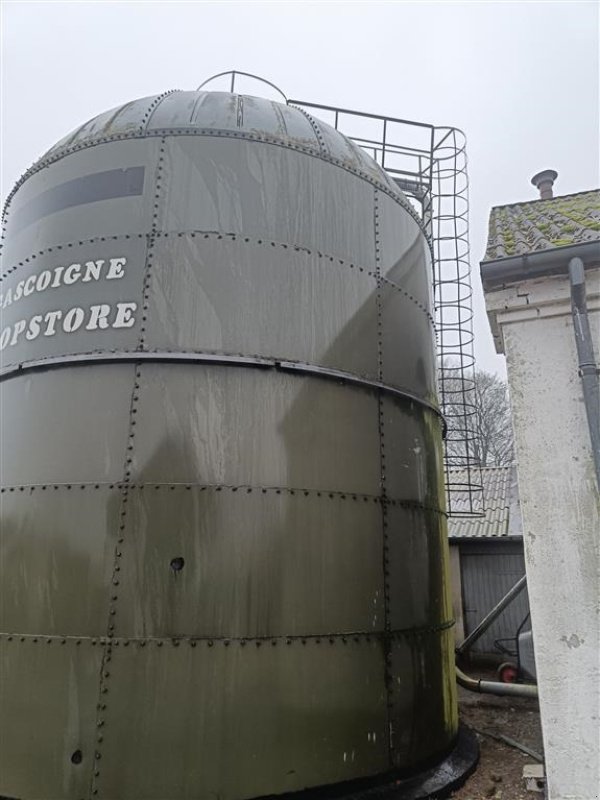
(228, 115)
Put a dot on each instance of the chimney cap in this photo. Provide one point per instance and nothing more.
(544, 176)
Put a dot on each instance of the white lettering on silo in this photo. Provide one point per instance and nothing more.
(72, 274)
(116, 268)
(17, 331)
(4, 337)
(51, 318)
(57, 273)
(33, 329)
(92, 270)
(98, 317)
(125, 318)
(43, 280)
(73, 319)
(29, 285)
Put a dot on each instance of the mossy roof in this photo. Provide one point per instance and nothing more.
(543, 224)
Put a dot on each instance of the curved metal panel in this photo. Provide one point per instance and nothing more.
(124, 215)
(177, 110)
(209, 292)
(257, 562)
(254, 428)
(412, 450)
(274, 718)
(407, 342)
(418, 585)
(260, 190)
(68, 426)
(92, 188)
(423, 712)
(118, 121)
(48, 697)
(348, 153)
(404, 254)
(56, 552)
(278, 120)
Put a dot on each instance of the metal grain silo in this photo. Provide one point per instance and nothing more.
(223, 550)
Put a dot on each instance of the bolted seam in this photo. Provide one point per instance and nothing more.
(162, 132)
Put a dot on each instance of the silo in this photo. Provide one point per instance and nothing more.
(223, 554)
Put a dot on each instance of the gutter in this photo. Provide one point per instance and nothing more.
(498, 272)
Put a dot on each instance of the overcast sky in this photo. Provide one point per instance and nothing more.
(521, 79)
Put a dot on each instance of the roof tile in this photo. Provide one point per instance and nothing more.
(500, 495)
(543, 224)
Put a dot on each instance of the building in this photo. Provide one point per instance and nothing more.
(541, 268)
(487, 559)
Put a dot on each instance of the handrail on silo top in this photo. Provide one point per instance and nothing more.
(233, 73)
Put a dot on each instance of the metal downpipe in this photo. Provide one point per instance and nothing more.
(495, 687)
(485, 623)
(588, 368)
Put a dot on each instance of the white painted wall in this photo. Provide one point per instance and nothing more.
(560, 504)
(457, 606)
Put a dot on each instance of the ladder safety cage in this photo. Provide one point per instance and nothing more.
(429, 164)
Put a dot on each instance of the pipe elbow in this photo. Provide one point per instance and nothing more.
(495, 687)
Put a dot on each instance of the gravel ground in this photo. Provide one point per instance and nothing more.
(499, 774)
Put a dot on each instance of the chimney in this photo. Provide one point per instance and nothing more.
(544, 181)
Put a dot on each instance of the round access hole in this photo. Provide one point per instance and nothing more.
(76, 757)
(177, 563)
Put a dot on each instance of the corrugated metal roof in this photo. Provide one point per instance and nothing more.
(543, 224)
(502, 516)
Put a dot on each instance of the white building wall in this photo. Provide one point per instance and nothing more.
(561, 519)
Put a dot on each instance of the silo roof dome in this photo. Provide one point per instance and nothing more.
(229, 115)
